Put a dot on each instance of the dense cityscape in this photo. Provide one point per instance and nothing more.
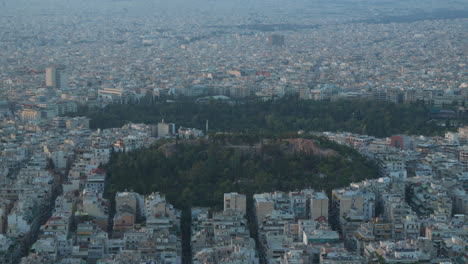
(237, 132)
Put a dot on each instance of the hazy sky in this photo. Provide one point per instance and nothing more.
(146, 6)
(217, 12)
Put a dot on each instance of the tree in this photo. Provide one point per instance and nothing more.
(283, 115)
(200, 173)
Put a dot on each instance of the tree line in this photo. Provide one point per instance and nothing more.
(380, 119)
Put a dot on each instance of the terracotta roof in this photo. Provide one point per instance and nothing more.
(98, 171)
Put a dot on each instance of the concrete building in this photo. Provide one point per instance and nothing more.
(57, 77)
(276, 40)
(31, 115)
(189, 133)
(395, 252)
(166, 129)
(463, 135)
(235, 202)
(114, 95)
(264, 205)
(77, 122)
(452, 138)
(391, 165)
(127, 199)
(344, 201)
(401, 142)
(319, 206)
(339, 256)
(463, 157)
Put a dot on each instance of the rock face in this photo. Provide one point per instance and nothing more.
(289, 146)
(307, 146)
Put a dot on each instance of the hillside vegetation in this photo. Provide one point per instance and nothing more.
(273, 117)
(197, 173)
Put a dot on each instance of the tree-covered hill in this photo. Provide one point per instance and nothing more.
(276, 116)
(197, 173)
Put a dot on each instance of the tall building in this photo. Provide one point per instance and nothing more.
(463, 135)
(344, 201)
(401, 142)
(319, 206)
(166, 129)
(276, 40)
(57, 77)
(50, 77)
(264, 205)
(463, 157)
(235, 201)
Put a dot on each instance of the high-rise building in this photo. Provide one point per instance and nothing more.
(57, 77)
(276, 40)
(235, 201)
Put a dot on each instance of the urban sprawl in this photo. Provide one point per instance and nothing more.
(52, 203)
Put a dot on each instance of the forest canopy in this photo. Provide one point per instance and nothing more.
(380, 119)
(199, 172)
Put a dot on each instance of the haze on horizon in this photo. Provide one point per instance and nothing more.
(219, 12)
